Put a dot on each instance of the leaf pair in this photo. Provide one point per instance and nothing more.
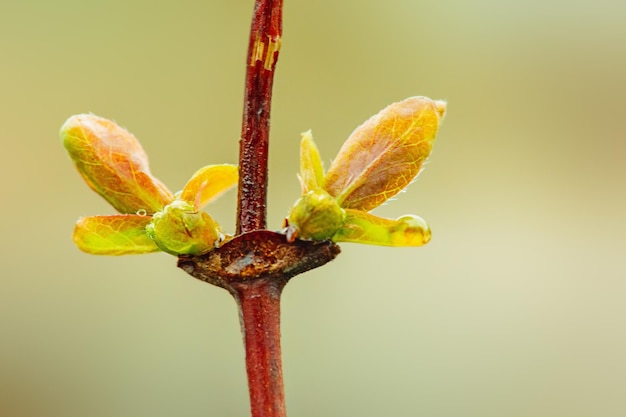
(113, 163)
(379, 159)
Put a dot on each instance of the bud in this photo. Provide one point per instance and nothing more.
(316, 215)
(182, 230)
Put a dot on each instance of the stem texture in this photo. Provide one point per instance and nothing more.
(263, 47)
(259, 300)
(259, 309)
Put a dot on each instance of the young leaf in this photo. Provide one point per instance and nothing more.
(113, 164)
(208, 183)
(311, 169)
(383, 155)
(362, 227)
(180, 229)
(119, 234)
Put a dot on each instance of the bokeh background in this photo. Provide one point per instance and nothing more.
(516, 308)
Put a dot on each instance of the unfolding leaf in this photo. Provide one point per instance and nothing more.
(316, 215)
(208, 183)
(383, 155)
(311, 169)
(180, 229)
(120, 234)
(362, 227)
(113, 164)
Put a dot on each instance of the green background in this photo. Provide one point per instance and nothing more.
(516, 308)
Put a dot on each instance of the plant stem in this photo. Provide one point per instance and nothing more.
(259, 307)
(256, 263)
(263, 46)
(259, 300)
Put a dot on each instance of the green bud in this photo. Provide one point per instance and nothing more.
(180, 229)
(316, 216)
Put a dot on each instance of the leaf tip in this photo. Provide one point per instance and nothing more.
(69, 135)
(441, 107)
(308, 135)
(412, 231)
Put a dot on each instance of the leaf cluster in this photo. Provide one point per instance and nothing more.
(379, 159)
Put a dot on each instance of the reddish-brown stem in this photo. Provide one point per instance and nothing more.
(265, 38)
(259, 308)
(256, 263)
(259, 300)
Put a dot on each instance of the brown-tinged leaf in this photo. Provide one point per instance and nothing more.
(113, 163)
(383, 155)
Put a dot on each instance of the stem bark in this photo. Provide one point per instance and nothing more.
(259, 300)
(259, 307)
(263, 47)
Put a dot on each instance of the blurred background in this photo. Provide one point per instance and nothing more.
(516, 307)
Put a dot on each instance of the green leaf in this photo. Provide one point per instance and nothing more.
(119, 234)
(113, 164)
(311, 169)
(362, 227)
(383, 155)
